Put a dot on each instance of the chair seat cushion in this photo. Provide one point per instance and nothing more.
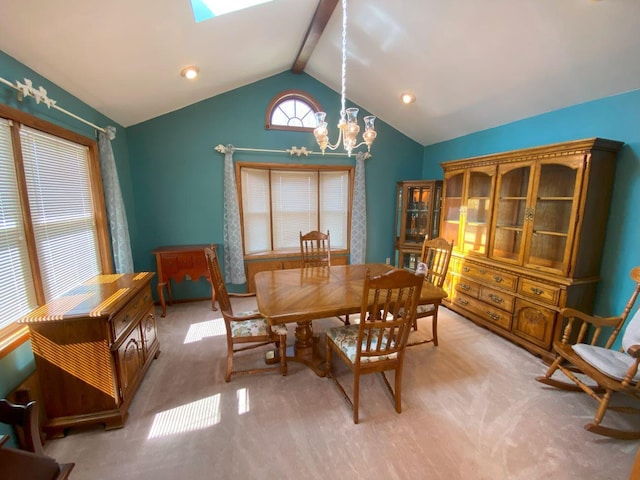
(346, 339)
(610, 362)
(254, 328)
(428, 308)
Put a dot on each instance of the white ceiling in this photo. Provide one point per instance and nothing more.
(472, 65)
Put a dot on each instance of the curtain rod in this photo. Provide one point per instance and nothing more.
(291, 151)
(27, 89)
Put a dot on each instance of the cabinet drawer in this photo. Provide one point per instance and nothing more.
(540, 291)
(487, 312)
(490, 276)
(534, 323)
(466, 286)
(498, 299)
(131, 312)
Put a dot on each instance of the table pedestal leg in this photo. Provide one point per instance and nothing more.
(306, 349)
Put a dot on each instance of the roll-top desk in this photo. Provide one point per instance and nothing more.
(92, 348)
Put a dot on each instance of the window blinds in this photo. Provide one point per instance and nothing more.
(62, 214)
(17, 292)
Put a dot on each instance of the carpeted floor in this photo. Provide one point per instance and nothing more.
(471, 409)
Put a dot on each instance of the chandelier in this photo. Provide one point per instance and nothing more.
(348, 124)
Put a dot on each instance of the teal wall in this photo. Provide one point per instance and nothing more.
(179, 176)
(615, 118)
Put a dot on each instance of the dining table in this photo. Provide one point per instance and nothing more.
(301, 295)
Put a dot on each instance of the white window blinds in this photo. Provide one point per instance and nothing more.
(62, 213)
(17, 291)
(278, 204)
(294, 206)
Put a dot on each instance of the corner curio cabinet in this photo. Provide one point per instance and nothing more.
(528, 228)
(417, 217)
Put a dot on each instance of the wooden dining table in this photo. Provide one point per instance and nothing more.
(301, 295)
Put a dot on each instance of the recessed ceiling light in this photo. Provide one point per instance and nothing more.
(408, 98)
(190, 72)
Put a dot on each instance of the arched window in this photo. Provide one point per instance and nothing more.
(292, 110)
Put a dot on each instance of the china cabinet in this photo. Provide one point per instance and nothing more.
(417, 217)
(529, 228)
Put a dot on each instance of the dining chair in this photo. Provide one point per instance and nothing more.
(436, 255)
(611, 370)
(315, 249)
(246, 330)
(378, 342)
(29, 460)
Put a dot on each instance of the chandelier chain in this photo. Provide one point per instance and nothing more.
(344, 58)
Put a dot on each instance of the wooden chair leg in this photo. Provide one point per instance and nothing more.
(283, 355)
(227, 377)
(356, 396)
(435, 327)
(398, 392)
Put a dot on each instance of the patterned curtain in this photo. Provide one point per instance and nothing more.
(233, 259)
(359, 215)
(116, 213)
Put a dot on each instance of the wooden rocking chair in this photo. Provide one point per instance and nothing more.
(611, 370)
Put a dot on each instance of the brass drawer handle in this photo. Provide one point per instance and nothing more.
(482, 271)
(537, 291)
(493, 316)
(126, 319)
(495, 298)
(466, 269)
(464, 286)
(498, 279)
(461, 301)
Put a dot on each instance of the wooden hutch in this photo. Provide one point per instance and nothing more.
(528, 228)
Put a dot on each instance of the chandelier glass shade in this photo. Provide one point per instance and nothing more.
(348, 125)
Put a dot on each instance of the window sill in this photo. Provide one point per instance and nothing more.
(273, 254)
(11, 337)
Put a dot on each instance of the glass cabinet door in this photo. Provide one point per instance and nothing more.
(513, 186)
(417, 214)
(452, 207)
(478, 210)
(553, 207)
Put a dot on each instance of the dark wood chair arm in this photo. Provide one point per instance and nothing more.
(592, 319)
(634, 351)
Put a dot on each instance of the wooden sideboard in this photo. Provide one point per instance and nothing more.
(177, 262)
(92, 348)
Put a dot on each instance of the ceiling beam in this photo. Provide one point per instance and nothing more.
(316, 27)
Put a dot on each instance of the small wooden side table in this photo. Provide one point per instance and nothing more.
(176, 262)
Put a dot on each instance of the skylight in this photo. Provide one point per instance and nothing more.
(206, 9)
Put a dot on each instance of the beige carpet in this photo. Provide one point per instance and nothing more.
(471, 410)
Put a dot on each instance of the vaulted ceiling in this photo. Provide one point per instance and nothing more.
(472, 65)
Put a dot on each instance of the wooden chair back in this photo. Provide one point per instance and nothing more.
(217, 281)
(29, 461)
(436, 254)
(389, 303)
(315, 249)
(24, 420)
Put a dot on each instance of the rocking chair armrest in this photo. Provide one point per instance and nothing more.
(634, 351)
(592, 319)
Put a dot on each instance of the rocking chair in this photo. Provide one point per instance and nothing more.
(611, 370)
